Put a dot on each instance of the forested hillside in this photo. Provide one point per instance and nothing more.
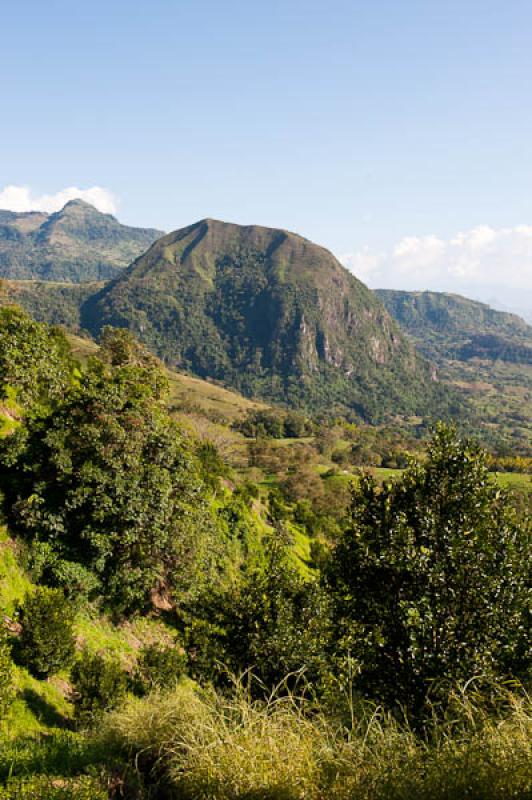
(485, 354)
(77, 243)
(272, 315)
(447, 326)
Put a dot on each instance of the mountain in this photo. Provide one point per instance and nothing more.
(448, 326)
(78, 243)
(485, 354)
(53, 302)
(270, 314)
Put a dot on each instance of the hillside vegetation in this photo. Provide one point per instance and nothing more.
(378, 632)
(270, 314)
(77, 243)
(484, 354)
(447, 326)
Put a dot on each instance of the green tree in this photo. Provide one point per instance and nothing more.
(110, 482)
(35, 359)
(427, 581)
(119, 348)
(47, 640)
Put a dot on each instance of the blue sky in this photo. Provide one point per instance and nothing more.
(376, 128)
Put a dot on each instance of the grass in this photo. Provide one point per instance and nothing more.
(100, 635)
(14, 582)
(300, 551)
(203, 746)
(39, 708)
(53, 767)
(514, 480)
(195, 393)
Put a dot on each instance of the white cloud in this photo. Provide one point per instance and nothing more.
(480, 260)
(21, 198)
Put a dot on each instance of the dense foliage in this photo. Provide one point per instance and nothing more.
(35, 360)
(275, 425)
(273, 623)
(428, 582)
(46, 643)
(108, 482)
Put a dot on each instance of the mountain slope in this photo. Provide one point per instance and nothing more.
(483, 353)
(450, 326)
(270, 314)
(77, 243)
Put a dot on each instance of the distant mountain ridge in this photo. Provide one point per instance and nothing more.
(448, 326)
(485, 354)
(270, 314)
(77, 243)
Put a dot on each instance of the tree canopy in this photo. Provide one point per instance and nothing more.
(428, 580)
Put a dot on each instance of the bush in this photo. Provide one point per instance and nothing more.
(98, 684)
(47, 640)
(159, 667)
(273, 622)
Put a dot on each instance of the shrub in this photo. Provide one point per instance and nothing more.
(47, 640)
(99, 684)
(273, 622)
(159, 667)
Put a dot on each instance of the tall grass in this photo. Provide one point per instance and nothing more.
(204, 746)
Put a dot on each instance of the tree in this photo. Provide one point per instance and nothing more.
(427, 581)
(35, 359)
(47, 639)
(109, 482)
(119, 348)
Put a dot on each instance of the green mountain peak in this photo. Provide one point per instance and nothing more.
(270, 314)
